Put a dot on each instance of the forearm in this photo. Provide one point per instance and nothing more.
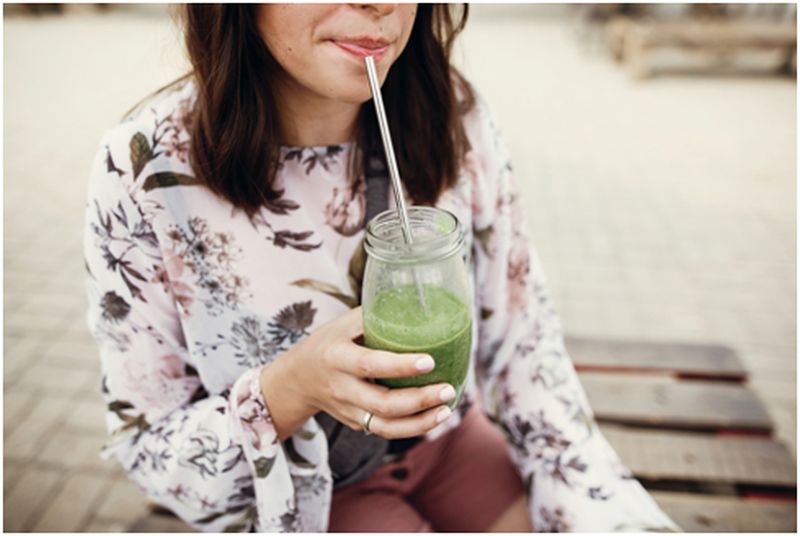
(186, 462)
(284, 399)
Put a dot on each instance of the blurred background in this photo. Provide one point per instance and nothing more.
(654, 146)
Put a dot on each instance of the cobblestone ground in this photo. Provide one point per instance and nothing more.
(662, 211)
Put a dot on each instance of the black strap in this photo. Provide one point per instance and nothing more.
(377, 177)
(354, 456)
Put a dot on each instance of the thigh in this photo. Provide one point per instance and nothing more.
(370, 510)
(474, 481)
(515, 519)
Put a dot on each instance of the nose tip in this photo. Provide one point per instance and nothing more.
(378, 9)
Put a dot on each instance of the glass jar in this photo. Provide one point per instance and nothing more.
(416, 298)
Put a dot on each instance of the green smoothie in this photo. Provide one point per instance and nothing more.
(396, 322)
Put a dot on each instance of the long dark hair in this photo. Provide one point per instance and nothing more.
(235, 138)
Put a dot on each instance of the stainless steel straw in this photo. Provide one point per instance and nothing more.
(391, 161)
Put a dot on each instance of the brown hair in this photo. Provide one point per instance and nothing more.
(235, 138)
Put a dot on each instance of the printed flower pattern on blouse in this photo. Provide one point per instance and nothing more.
(189, 300)
(258, 343)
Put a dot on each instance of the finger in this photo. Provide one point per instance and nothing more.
(366, 363)
(409, 426)
(395, 403)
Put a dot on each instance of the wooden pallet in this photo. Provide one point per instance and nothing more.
(711, 362)
(659, 456)
(699, 513)
(704, 448)
(718, 40)
(673, 404)
(160, 520)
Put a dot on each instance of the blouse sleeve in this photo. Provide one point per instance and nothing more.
(212, 459)
(528, 385)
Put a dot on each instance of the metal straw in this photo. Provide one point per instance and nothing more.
(391, 161)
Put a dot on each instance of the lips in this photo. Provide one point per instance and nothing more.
(361, 47)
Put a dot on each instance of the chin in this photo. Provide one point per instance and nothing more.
(356, 92)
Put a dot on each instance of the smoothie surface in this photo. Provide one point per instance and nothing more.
(396, 322)
(397, 317)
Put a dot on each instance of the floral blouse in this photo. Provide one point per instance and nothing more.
(189, 299)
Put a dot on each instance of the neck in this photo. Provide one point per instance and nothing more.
(310, 120)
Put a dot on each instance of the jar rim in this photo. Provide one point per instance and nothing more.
(443, 244)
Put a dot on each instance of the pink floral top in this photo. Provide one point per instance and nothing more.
(189, 299)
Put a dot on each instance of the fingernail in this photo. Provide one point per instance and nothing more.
(425, 364)
(443, 414)
(447, 394)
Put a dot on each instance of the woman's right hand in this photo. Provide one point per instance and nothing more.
(328, 371)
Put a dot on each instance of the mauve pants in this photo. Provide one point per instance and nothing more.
(462, 482)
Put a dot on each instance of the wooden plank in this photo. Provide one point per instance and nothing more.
(687, 360)
(709, 513)
(681, 405)
(160, 523)
(690, 457)
(716, 35)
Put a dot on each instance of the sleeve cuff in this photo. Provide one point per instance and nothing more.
(252, 423)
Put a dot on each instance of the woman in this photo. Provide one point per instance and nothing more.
(224, 230)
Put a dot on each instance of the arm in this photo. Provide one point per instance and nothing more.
(246, 458)
(213, 459)
(529, 387)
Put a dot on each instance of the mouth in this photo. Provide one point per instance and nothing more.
(361, 47)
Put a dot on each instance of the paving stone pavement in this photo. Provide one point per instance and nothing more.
(662, 210)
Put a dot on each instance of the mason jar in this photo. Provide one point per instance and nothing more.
(416, 298)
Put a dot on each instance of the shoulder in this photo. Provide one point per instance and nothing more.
(480, 127)
(486, 165)
(487, 156)
(151, 139)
